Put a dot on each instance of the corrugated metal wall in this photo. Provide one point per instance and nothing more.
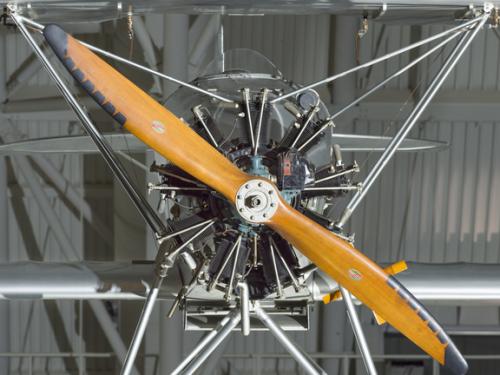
(297, 45)
(436, 206)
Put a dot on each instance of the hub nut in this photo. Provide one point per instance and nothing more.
(257, 201)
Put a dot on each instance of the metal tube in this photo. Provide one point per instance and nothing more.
(170, 258)
(312, 112)
(376, 87)
(438, 80)
(140, 202)
(358, 332)
(355, 168)
(140, 329)
(259, 123)
(152, 297)
(246, 100)
(295, 282)
(255, 250)
(216, 278)
(203, 343)
(233, 271)
(276, 275)
(320, 130)
(186, 289)
(244, 307)
(220, 45)
(335, 188)
(185, 230)
(377, 60)
(155, 73)
(199, 116)
(392, 76)
(133, 161)
(303, 359)
(40, 27)
(176, 188)
(5, 327)
(213, 343)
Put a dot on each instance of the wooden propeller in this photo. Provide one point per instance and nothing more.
(168, 135)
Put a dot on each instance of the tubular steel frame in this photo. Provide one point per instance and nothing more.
(166, 259)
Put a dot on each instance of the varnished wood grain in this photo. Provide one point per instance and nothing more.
(178, 142)
(338, 259)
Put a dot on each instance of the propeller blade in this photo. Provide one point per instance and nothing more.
(144, 117)
(380, 292)
(168, 135)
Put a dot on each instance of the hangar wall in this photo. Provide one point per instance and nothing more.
(436, 207)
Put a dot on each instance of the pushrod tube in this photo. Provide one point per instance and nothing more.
(147, 212)
(377, 60)
(431, 91)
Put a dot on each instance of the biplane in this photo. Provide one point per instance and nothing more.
(254, 164)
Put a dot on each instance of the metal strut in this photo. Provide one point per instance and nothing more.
(431, 91)
(147, 212)
(165, 260)
(214, 338)
(376, 87)
(377, 60)
(39, 27)
(358, 332)
(302, 358)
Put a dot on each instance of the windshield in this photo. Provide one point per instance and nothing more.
(242, 60)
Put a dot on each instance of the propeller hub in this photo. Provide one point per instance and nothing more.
(257, 201)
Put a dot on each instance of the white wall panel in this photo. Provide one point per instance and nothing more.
(435, 206)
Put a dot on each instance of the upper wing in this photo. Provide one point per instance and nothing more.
(168, 135)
